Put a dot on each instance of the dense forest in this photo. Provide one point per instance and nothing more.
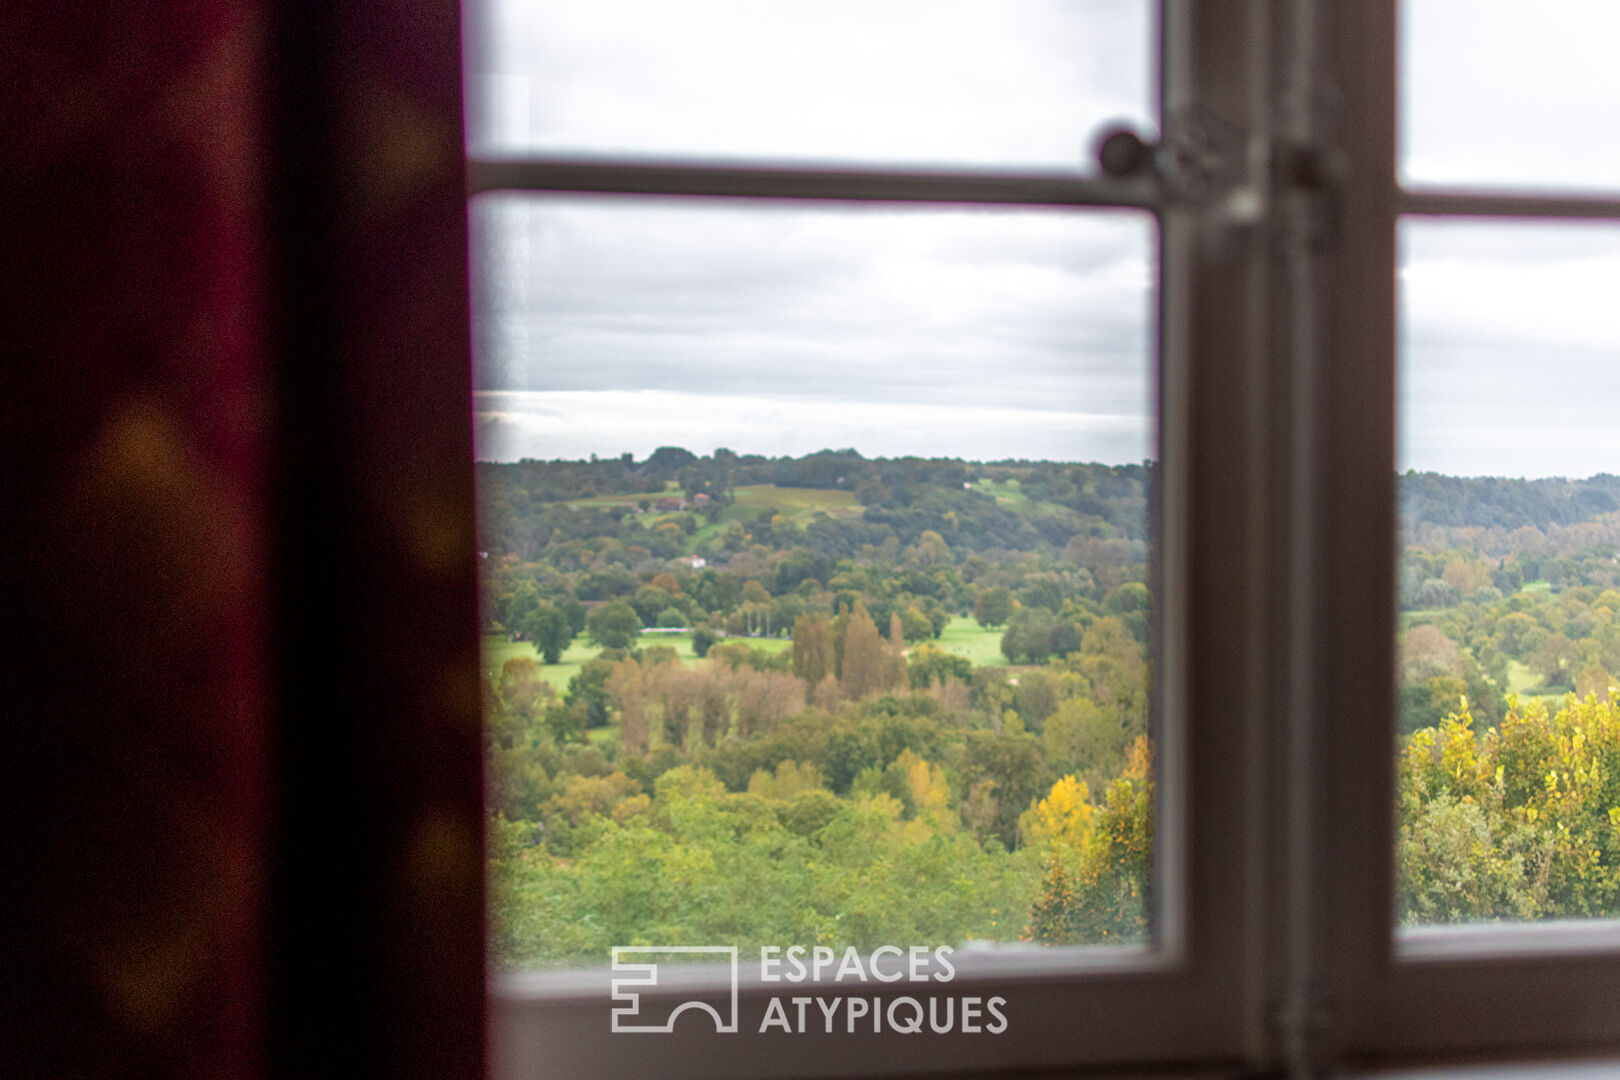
(1509, 766)
(849, 701)
(827, 700)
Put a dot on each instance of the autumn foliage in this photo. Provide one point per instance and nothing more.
(1520, 821)
(1097, 857)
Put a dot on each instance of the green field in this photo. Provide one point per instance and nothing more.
(750, 499)
(1527, 684)
(1417, 616)
(965, 637)
(629, 498)
(1008, 493)
(498, 650)
(962, 636)
(796, 504)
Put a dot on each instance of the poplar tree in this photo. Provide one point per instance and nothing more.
(866, 664)
(813, 647)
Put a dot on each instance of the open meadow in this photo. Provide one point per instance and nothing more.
(498, 649)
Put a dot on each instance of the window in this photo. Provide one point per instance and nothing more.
(1274, 186)
(1476, 214)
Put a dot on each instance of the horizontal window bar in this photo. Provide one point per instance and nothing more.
(781, 182)
(1493, 941)
(1506, 205)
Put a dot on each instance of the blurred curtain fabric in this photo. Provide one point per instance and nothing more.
(240, 697)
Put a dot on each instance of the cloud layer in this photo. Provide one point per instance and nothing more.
(606, 324)
(848, 327)
(1013, 82)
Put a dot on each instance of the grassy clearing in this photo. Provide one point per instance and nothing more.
(750, 499)
(767, 644)
(704, 533)
(625, 498)
(1008, 493)
(1521, 680)
(498, 650)
(796, 504)
(682, 644)
(965, 637)
(1527, 684)
(1418, 616)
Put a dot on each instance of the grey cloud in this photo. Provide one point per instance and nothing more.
(1014, 82)
(1509, 342)
(1508, 335)
(1494, 98)
(1012, 309)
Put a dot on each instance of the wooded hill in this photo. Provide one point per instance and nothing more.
(528, 507)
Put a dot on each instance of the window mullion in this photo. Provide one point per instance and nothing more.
(1218, 429)
(1352, 482)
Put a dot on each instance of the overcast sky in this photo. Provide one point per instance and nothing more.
(607, 324)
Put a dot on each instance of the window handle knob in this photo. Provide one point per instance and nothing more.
(1122, 153)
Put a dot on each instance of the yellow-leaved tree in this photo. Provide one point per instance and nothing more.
(1521, 821)
(1097, 859)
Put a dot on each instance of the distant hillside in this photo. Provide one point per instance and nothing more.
(676, 503)
(1493, 501)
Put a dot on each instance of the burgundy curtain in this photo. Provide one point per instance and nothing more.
(240, 700)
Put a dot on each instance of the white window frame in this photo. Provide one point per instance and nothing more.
(1277, 202)
(1388, 997)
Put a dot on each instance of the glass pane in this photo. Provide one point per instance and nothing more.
(1503, 94)
(1509, 636)
(817, 608)
(1013, 83)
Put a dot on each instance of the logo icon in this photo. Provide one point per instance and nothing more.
(627, 1017)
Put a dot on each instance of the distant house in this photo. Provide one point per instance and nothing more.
(699, 562)
(665, 505)
(700, 499)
